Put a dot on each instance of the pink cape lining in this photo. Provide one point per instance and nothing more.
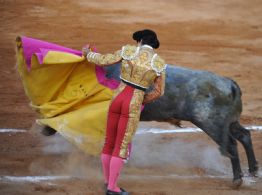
(41, 48)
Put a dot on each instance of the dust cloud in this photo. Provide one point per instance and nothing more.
(148, 150)
(151, 150)
(67, 159)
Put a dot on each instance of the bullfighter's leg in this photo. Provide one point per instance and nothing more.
(111, 131)
(130, 114)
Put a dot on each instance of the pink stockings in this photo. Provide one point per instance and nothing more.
(105, 159)
(111, 168)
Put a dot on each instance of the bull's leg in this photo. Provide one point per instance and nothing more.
(243, 135)
(232, 150)
(227, 146)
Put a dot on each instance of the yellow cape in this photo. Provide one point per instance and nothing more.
(65, 91)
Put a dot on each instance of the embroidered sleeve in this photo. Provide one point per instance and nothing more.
(158, 90)
(104, 60)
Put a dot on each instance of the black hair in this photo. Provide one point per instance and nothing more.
(148, 37)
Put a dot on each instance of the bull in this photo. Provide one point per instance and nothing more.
(210, 102)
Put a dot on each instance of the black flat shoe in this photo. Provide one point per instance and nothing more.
(123, 192)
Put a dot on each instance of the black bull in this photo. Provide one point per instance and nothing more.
(211, 102)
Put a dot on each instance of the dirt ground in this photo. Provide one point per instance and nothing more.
(224, 37)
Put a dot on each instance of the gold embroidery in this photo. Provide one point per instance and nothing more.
(104, 60)
(129, 52)
(134, 115)
(141, 73)
(159, 65)
(132, 67)
(137, 64)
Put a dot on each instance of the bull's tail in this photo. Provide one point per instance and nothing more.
(236, 94)
(235, 89)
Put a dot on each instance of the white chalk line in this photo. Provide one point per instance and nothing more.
(163, 131)
(33, 179)
(175, 176)
(150, 130)
(36, 179)
(185, 130)
(247, 180)
(12, 131)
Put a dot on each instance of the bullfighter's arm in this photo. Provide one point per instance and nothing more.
(158, 90)
(104, 60)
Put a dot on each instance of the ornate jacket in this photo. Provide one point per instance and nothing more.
(141, 66)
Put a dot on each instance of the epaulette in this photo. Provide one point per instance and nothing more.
(158, 64)
(129, 52)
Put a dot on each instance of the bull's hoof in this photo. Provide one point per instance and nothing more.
(48, 131)
(254, 171)
(237, 183)
(253, 174)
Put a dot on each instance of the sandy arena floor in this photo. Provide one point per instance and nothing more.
(219, 36)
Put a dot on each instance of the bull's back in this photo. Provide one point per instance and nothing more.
(194, 95)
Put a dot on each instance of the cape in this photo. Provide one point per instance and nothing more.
(71, 95)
